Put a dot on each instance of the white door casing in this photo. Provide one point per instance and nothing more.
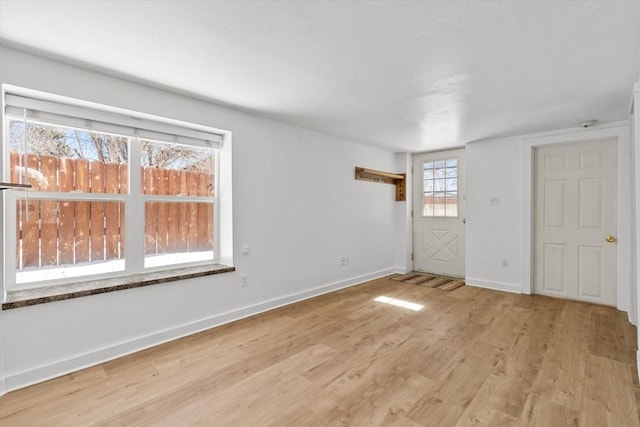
(574, 212)
(438, 241)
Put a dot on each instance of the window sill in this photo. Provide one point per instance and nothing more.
(27, 297)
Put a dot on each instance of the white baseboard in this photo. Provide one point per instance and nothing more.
(42, 373)
(496, 286)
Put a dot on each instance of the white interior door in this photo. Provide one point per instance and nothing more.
(438, 213)
(575, 221)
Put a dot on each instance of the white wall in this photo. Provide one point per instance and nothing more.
(502, 167)
(494, 233)
(404, 262)
(296, 204)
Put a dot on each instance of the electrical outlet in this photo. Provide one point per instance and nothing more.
(244, 280)
(494, 201)
(344, 260)
(505, 263)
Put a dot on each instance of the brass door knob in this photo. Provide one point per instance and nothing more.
(610, 239)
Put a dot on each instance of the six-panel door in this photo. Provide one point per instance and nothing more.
(575, 221)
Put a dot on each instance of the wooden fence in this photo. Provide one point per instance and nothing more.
(72, 232)
(437, 206)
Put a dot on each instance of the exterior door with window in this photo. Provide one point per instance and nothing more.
(438, 213)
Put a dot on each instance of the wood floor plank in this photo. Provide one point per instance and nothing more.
(444, 404)
(486, 417)
(470, 357)
(509, 385)
(540, 411)
(608, 340)
(609, 394)
(300, 416)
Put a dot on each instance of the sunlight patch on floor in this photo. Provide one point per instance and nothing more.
(400, 303)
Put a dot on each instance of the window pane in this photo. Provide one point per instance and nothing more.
(439, 185)
(177, 233)
(439, 204)
(439, 173)
(61, 239)
(65, 159)
(452, 163)
(452, 172)
(427, 209)
(452, 204)
(428, 186)
(173, 169)
(452, 184)
(439, 164)
(428, 165)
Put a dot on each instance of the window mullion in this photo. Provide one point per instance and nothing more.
(134, 213)
(73, 196)
(177, 199)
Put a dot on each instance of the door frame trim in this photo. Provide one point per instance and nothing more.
(621, 133)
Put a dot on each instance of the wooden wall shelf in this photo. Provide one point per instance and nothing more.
(397, 179)
(10, 185)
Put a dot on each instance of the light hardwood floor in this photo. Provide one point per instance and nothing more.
(469, 357)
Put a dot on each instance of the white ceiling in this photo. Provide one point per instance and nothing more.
(411, 76)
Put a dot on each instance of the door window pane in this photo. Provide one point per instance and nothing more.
(427, 209)
(452, 204)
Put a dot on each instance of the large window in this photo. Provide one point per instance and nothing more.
(112, 193)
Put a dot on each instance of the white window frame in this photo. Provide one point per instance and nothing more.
(134, 201)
